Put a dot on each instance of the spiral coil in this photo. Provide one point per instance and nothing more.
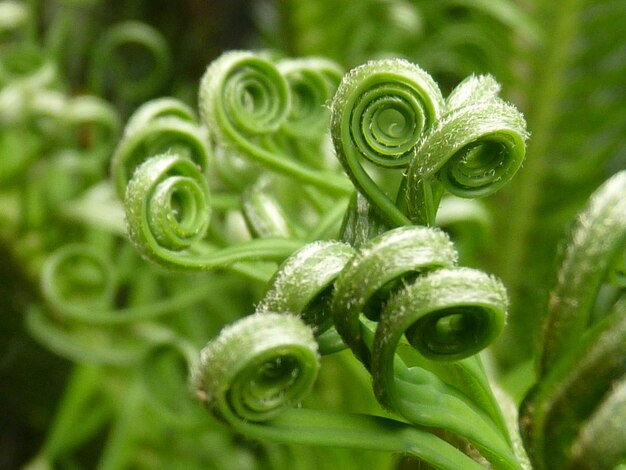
(254, 105)
(406, 283)
(392, 114)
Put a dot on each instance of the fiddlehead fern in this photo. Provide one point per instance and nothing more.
(392, 114)
(472, 151)
(379, 113)
(253, 373)
(244, 100)
(406, 282)
(273, 367)
(383, 263)
(167, 211)
(581, 367)
(159, 126)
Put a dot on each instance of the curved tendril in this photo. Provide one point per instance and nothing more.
(473, 150)
(158, 108)
(312, 83)
(406, 280)
(258, 368)
(77, 278)
(303, 285)
(244, 100)
(379, 268)
(159, 126)
(78, 283)
(446, 315)
(583, 350)
(596, 242)
(167, 208)
(379, 113)
(167, 204)
(109, 62)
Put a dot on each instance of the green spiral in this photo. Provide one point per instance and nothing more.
(380, 113)
(273, 366)
(170, 197)
(406, 283)
(582, 360)
(381, 265)
(77, 279)
(312, 83)
(26, 64)
(168, 209)
(472, 151)
(79, 283)
(160, 126)
(243, 93)
(134, 51)
(255, 372)
(245, 101)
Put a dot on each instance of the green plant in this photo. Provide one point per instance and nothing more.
(337, 318)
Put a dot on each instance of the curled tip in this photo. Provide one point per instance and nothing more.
(76, 279)
(111, 60)
(449, 314)
(381, 108)
(167, 206)
(380, 267)
(474, 150)
(243, 93)
(446, 315)
(160, 126)
(379, 114)
(257, 367)
(312, 83)
(473, 89)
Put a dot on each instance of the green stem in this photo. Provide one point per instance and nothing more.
(116, 453)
